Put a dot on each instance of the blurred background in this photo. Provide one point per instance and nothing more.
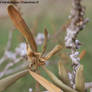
(53, 15)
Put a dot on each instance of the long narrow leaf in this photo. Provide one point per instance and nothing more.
(63, 73)
(82, 54)
(8, 81)
(53, 52)
(79, 79)
(45, 83)
(45, 41)
(58, 81)
(21, 26)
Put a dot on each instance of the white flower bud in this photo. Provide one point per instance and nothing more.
(21, 50)
(30, 89)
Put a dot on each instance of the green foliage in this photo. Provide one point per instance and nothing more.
(10, 80)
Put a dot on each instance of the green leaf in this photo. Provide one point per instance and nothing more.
(79, 79)
(8, 81)
(63, 73)
(58, 81)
